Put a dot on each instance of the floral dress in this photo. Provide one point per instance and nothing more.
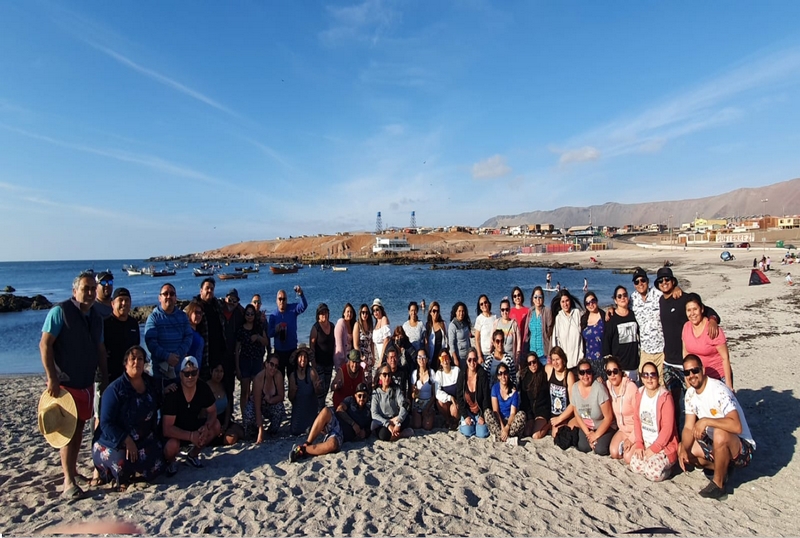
(367, 359)
(124, 413)
(593, 338)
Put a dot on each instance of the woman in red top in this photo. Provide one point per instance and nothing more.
(713, 352)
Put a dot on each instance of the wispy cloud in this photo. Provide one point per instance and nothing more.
(705, 106)
(271, 152)
(367, 21)
(150, 161)
(493, 167)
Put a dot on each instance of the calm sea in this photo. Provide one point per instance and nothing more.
(395, 285)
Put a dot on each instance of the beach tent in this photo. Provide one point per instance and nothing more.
(757, 278)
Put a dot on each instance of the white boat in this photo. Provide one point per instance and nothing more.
(339, 269)
(132, 271)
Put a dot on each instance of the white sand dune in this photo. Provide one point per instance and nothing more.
(439, 483)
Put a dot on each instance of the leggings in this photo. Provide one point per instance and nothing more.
(515, 429)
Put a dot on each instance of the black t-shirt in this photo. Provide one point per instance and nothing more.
(362, 417)
(189, 415)
(119, 336)
(216, 336)
(621, 339)
(673, 318)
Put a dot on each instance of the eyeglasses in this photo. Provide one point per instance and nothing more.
(505, 309)
(472, 359)
(585, 372)
(531, 363)
(692, 371)
(621, 296)
(483, 303)
(273, 364)
(498, 341)
(639, 279)
(189, 373)
(364, 312)
(650, 375)
(612, 371)
(422, 357)
(590, 302)
(663, 280)
(167, 294)
(538, 296)
(106, 282)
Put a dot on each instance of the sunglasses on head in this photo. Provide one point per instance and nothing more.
(612, 371)
(692, 371)
(650, 375)
(585, 372)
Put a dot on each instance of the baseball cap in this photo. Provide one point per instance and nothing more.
(189, 361)
(233, 293)
(105, 275)
(354, 355)
(639, 272)
(362, 387)
(120, 292)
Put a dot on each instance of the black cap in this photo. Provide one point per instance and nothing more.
(105, 275)
(233, 293)
(666, 272)
(639, 272)
(362, 387)
(120, 292)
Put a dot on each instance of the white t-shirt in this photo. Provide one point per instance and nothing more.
(648, 415)
(415, 334)
(485, 325)
(716, 401)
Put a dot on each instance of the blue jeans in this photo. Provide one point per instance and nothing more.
(481, 431)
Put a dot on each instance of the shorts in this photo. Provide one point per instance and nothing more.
(741, 460)
(420, 404)
(84, 401)
(333, 430)
(248, 368)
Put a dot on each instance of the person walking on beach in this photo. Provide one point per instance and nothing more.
(72, 349)
(585, 285)
(282, 326)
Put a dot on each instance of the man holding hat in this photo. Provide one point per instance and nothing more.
(350, 422)
(72, 349)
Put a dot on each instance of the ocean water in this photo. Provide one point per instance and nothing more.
(394, 285)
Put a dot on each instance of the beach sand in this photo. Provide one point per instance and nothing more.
(440, 483)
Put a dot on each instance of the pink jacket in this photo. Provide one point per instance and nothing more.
(625, 406)
(667, 439)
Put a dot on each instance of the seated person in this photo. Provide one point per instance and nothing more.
(399, 373)
(229, 431)
(474, 397)
(715, 435)
(446, 381)
(348, 377)
(655, 449)
(389, 407)
(266, 402)
(505, 420)
(127, 438)
(534, 397)
(423, 389)
(592, 408)
(189, 416)
(350, 422)
(304, 385)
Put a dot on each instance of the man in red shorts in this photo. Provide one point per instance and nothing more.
(72, 349)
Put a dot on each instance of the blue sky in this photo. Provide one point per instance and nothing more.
(133, 129)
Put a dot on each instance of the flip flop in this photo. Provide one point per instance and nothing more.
(73, 493)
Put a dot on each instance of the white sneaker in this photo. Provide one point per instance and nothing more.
(513, 441)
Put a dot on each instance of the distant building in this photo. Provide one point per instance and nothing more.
(390, 245)
(788, 223)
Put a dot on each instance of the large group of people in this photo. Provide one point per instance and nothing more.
(648, 381)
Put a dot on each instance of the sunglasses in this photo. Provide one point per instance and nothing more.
(168, 294)
(434, 311)
(503, 373)
(622, 296)
(663, 280)
(498, 341)
(384, 374)
(639, 280)
(585, 372)
(692, 371)
(531, 363)
(612, 371)
(505, 309)
(281, 299)
(516, 295)
(364, 312)
(590, 302)
(256, 302)
(106, 282)
(483, 303)
(472, 359)
(650, 375)
(251, 314)
(189, 373)
(538, 296)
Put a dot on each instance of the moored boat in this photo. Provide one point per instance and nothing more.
(339, 269)
(203, 272)
(232, 276)
(283, 269)
(163, 272)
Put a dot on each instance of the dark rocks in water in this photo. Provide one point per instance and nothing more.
(14, 303)
(9, 289)
(502, 265)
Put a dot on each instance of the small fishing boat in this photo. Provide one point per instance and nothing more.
(203, 272)
(232, 276)
(163, 272)
(283, 269)
(339, 269)
(133, 271)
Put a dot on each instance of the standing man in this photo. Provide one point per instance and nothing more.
(105, 289)
(168, 336)
(646, 308)
(72, 349)
(256, 301)
(282, 326)
(672, 312)
(211, 328)
(120, 332)
(715, 436)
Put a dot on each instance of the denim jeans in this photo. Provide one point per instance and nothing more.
(478, 430)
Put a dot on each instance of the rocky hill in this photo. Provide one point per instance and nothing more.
(784, 196)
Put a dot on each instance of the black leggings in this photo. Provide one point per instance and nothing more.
(602, 446)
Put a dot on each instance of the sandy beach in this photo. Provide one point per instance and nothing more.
(440, 483)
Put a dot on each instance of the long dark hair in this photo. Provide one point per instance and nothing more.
(585, 315)
(537, 379)
(352, 323)
(369, 319)
(478, 308)
(466, 321)
(511, 385)
(555, 306)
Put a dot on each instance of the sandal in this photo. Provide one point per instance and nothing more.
(73, 493)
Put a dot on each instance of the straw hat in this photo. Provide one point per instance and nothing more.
(58, 418)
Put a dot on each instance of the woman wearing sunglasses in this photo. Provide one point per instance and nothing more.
(362, 337)
(436, 335)
(538, 326)
(535, 397)
(505, 420)
(266, 402)
(510, 329)
(519, 312)
(655, 450)
(621, 337)
(592, 330)
(251, 342)
(499, 356)
(484, 325)
(474, 397)
(593, 411)
(390, 418)
(623, 393)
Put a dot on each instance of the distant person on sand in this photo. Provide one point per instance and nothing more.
(769, 263)
(72, 349)
(788, 279)
(585, 285)
(715, 436)
(282, 326)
